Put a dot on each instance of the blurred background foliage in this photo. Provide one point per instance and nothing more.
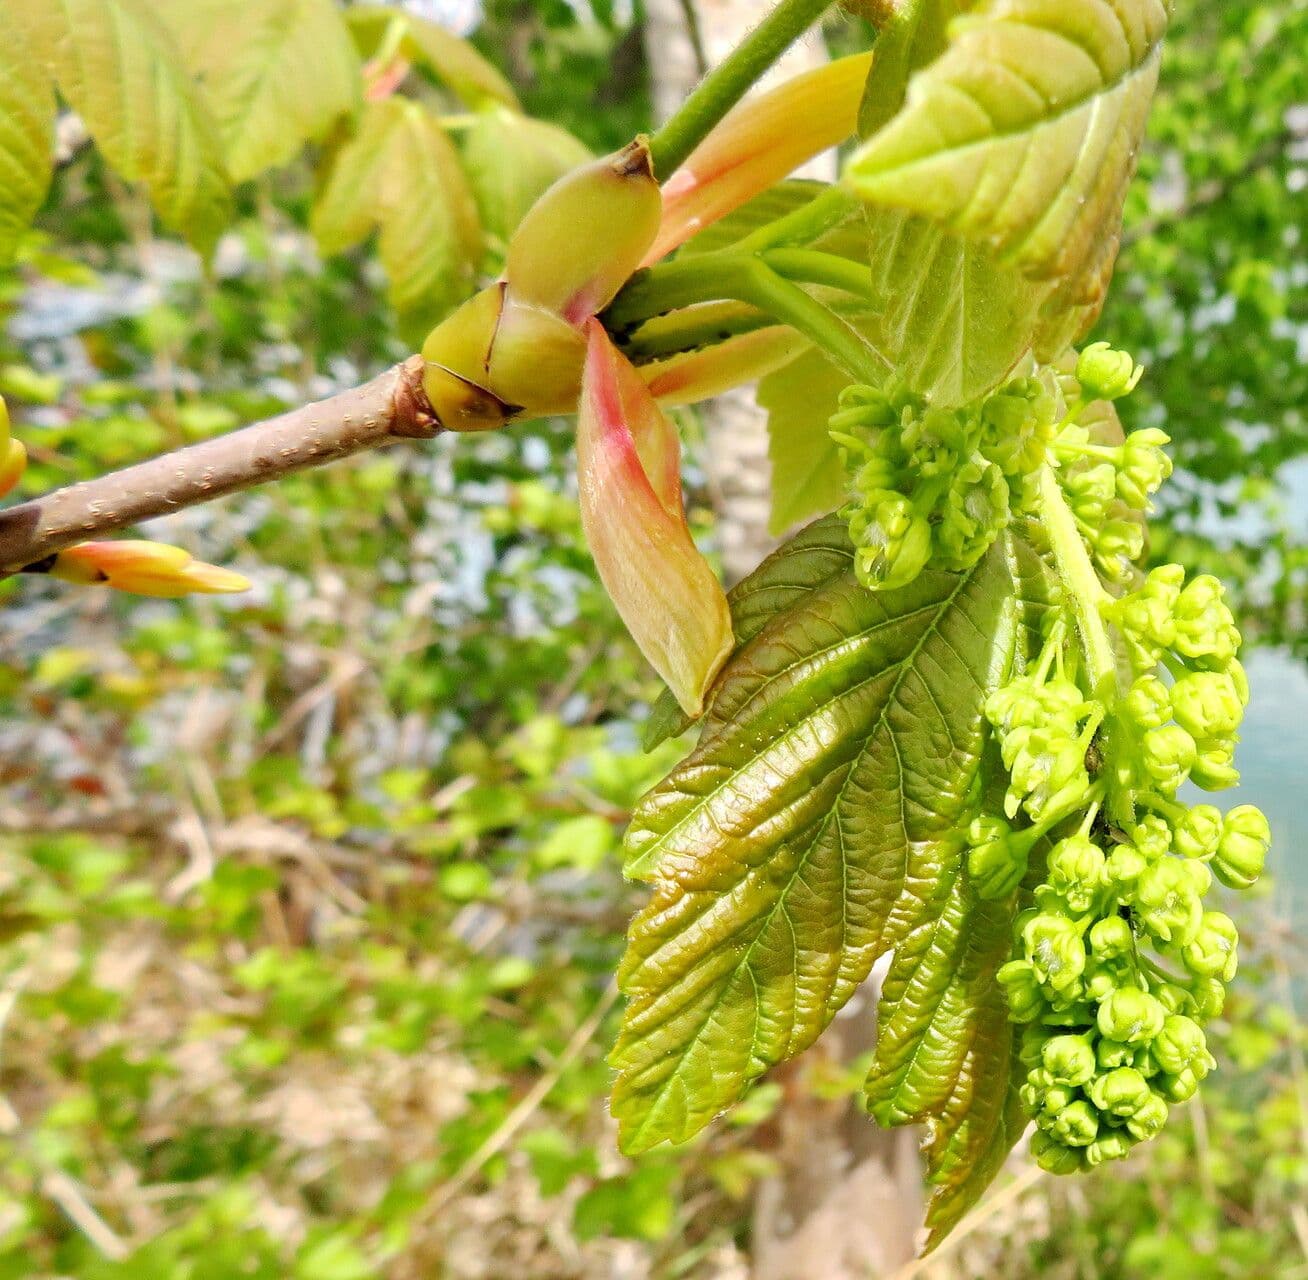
(308, 898)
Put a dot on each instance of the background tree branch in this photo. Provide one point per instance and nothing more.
(390, 408)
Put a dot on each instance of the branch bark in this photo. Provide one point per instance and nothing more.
(391, 408)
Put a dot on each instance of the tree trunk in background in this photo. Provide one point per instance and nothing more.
(847, 1200)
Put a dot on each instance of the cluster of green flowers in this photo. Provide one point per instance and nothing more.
(1118, 962)
(936, 486)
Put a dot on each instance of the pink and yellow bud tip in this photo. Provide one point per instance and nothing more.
(144, 569)
(13, 456)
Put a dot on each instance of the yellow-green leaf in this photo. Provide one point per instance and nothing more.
(277, 73)
(26, 133)
(1023, 133)
(452, 60)
(805, 834)
(510, 160)
(119, 67)
(401, 175)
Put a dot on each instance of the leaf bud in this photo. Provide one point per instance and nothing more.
(1242, 848)
(1197, 832)
(1182, 1046)
(1105, 374)
(1121, 1092)
(1213, 952)
(144, 569)
(1131, 1015)
(1166, 901)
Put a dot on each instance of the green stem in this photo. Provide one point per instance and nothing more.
(730, 80)
(808, 266)
(1084, 590)
(803, 225)
(687, 330)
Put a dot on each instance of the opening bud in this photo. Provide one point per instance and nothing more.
(144, 569)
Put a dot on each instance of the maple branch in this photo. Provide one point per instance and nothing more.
(391, 408)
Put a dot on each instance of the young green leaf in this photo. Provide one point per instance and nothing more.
(27, 112)
(400, 174)
(119, 68)
(511, 160)
(277, 73)
(451, 60)
(1023, 133)
(917, 34)
(802, 837)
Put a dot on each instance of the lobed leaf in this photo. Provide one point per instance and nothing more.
(120, 69)
(1023, 134)
(277, 73)
(27, 114)
(804, 835)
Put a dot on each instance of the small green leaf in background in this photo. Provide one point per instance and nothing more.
(804, 835)
(120, 69)
(276, 73)
(638, 1206)
(453, 61)
(510, 160)
(27, 113)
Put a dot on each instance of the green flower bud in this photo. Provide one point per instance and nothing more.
(1110, 938)
(1076, 1125)
(1122, 1092)
(1144, 467)
(1115, 1144)
(1205, 628)
(1049, 773)
(1131, 1015)
(1167, 755)
(1113, 1053)
(1239, 679)
(1198, 831)
(1102, 978)
(1105, 374)
(1149, 1118)
(1018, 425)
(893, 542)
(1209, 997)
(975, 511)
(1148, 704)
(1145, 617)
(1125, 865)
(1053, 1156)
(1069, 1060)
(1207, 704)
(1214, 767)
(1213, 951)
(1166, 901)
(1152, 836)
(1026, 1002)
(996, 863)
(1174, 999)
(1181, 1046)
(1053, 946)
(1076, 871)
(1116, 542)
(1242, 848)
(1178, 1088)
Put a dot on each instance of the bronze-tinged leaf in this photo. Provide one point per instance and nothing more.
(806, 833)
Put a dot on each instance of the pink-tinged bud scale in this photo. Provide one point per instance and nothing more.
(628, 465)
(145, 569)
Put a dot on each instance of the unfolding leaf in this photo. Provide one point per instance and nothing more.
(450, 59)
(774, 203)
(277, 73)
(808, 477)
(26, 133)
(401, 175)
(803, 836)
(511, 160)
(1023, 134)
(120, 69)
